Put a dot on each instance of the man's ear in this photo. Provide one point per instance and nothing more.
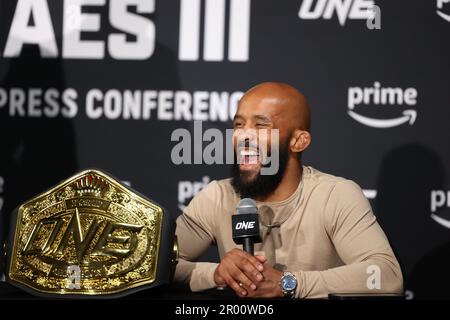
(300, 140)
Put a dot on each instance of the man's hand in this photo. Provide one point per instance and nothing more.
(270, 286)
(240, 271)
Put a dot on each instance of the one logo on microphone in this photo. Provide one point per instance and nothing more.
(370, 101)
(440, 6)
(245, 225)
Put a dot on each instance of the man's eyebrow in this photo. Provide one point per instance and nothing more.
(262, 118)
(237, 117)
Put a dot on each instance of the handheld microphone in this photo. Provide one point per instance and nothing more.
(246, 225)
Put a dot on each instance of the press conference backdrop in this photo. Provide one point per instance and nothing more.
(105, 83)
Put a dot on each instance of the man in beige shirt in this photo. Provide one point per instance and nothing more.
(318, 231)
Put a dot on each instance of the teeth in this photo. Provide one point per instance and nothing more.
(248, 153)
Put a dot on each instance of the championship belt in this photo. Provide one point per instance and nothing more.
(90, 236)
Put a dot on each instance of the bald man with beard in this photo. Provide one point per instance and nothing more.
(318, 230)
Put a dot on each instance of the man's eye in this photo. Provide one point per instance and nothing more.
(262, 125)
(237, 124)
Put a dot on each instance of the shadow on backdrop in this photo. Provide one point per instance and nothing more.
(407, 176)
(37, 152)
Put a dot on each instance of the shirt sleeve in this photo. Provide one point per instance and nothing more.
(370, 264)
(195, 233)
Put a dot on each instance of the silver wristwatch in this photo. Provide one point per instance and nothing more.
(288, 284)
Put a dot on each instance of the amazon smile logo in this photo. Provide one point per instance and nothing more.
(440, 6)
(373, 104)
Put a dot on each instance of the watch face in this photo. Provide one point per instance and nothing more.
(289, 283)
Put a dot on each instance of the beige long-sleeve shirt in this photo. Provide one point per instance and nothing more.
(328, 237)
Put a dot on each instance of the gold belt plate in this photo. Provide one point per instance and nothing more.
(89, 235)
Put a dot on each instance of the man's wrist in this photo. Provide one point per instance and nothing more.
(216, 277)
(278, 292)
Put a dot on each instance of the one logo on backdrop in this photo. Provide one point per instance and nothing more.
(188, 189)
(440, 6)
(378, 100)
(343, 9)
(440, 200)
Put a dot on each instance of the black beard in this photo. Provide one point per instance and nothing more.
(261, 185)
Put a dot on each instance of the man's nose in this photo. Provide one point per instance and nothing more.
(250, 132)
(247, 136)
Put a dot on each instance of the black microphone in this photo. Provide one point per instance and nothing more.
(246, 225)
